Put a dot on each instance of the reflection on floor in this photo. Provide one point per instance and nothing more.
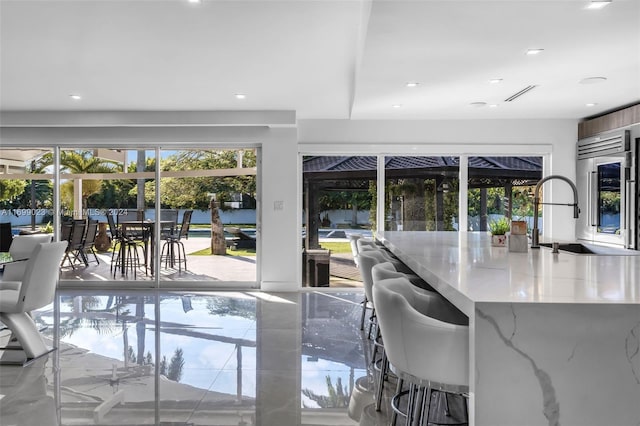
(171, 358)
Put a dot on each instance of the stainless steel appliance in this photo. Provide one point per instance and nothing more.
(606, 178)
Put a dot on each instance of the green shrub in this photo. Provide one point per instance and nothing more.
(500, 226)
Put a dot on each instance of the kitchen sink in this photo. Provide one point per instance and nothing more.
(592, 249)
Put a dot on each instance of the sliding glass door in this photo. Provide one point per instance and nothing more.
(208, 216)
(339, 203)
(195, 225)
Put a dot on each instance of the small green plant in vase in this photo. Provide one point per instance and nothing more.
(499, 229)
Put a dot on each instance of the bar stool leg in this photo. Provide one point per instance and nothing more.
(446, 405)
(427, 405)
(376, 344)
(163, 255)
(127, 259)
(410, 404)
(418, 404)
(184, 255)
(179, 257)
(394, 414)
(372, 318)
(364, 313)
(134, 260)
(384, 365)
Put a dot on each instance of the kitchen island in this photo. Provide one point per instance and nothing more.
(554, 337)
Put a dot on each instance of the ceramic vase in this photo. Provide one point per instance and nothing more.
(498, 240)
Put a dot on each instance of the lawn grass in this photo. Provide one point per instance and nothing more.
(230, 225)
(230, 252)
(337, 247)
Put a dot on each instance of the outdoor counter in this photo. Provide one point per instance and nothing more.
(554, 338)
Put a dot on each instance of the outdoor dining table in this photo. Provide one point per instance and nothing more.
(148, 228)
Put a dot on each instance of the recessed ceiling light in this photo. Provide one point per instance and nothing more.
(598, 4)
(478, 104)
(591, 104)
(396, 106)
(75, 97)
(495, 80)
(534, 51)
(493, 105)
(593, 80)
(413, 84)
(240, 96)
(195, 1)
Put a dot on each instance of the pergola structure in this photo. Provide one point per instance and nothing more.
(353, 173)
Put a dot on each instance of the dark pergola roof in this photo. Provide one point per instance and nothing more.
(483, 171)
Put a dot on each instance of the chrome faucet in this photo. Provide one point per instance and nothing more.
(535, 238)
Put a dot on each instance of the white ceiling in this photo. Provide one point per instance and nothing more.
(323, 59)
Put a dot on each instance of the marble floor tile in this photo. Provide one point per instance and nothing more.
(172, 358)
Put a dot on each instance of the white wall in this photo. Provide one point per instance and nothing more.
(280, 255)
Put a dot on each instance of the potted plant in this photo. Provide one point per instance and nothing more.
(499, 229)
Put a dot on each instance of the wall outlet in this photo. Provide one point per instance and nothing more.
(278, 205)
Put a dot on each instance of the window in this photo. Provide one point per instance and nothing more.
(421, 193)
(501, 187)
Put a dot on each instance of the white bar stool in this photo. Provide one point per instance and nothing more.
(427, 345)
(384, 271)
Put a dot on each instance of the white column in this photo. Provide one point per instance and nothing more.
(281, 240)
(77, 198)
(381, 195)
(463, 187)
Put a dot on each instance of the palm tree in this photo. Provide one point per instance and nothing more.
(85, 162)
(338, 396)
(80, 162)
(174, 371)
(103, 326)
(223, 306)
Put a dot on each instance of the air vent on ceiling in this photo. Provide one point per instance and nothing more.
(604, 145)
(520, 93)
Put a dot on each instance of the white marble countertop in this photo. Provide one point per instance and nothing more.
(466, 269)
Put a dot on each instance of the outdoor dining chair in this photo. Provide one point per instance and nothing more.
(75, 246)
(89, 241)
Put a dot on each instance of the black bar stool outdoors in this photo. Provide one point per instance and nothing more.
(173, 251)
